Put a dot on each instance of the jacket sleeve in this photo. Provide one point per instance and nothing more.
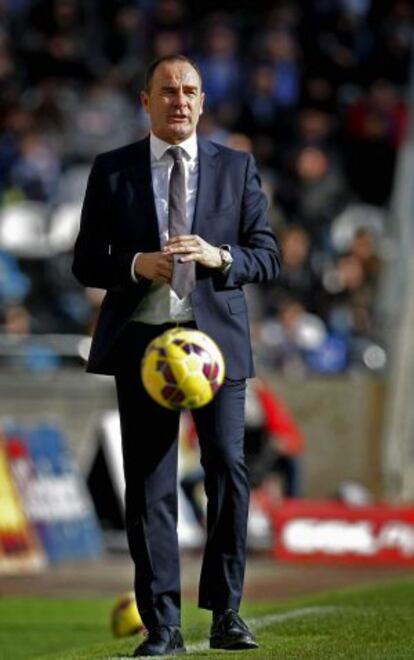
(257, 256)
(95, 264)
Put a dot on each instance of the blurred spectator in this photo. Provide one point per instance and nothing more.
(315, 128)
(37, 168)
(102, 119)
(209, 128)
(168, 15)
(50, 104)
(125, 45)
(17, 320)
(274, 442)
(8, 68)
(374, 128)
(348, 305)
(240, 142)
(319, 93)
(71, 308)
(56, 41)
(282, 341)
(364, 248)
(168, 28)
(220, 67)
(273, 445)
(346, 45)
(167, 42)
(394, 47)
(259, 109)
(15, 122)
(23, 351)
(297, 280)
(14, 285)
(314, 193)
(281, 51)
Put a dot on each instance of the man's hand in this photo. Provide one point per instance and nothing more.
(156, 266)
(194, 248)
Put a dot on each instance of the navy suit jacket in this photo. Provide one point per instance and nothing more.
(119, 219)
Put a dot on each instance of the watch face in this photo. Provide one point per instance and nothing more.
(226, 258)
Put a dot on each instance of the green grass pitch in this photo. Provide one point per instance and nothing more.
(375, 623)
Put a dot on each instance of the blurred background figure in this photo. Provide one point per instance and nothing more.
(274, 443)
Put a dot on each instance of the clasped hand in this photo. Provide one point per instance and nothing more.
(158, 266)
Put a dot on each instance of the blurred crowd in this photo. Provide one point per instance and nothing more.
(315, 89)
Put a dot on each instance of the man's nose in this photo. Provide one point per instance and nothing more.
(179, 98)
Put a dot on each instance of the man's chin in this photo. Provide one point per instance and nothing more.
(178, 133)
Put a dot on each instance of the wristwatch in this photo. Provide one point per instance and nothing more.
(226, 257)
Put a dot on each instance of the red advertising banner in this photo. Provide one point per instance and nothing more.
(307, 530)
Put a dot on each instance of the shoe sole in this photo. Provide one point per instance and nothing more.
(175, 652)
(236, 645)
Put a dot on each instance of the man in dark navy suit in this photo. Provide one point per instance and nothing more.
(173, 227)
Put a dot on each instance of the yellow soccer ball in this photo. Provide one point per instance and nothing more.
(125, 618)
(182, 368)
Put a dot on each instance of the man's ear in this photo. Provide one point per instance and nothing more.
(203, 96)
(144, 100)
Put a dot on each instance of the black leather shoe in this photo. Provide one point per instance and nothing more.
(162, 640)
(229, 631)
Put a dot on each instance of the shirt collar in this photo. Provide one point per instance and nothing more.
(159, 147)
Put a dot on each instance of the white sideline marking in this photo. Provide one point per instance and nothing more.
(262, 622)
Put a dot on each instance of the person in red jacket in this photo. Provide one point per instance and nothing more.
(274, 442)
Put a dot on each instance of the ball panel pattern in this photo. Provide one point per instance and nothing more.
(182, 368)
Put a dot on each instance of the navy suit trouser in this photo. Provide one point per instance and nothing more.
(149, 441)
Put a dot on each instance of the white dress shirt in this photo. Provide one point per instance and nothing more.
(161, 304)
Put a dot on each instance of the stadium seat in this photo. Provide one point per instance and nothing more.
(24, 229)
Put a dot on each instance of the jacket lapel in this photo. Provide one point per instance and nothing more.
(206, 183)
(139, 170)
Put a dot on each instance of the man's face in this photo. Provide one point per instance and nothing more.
(174, 101)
